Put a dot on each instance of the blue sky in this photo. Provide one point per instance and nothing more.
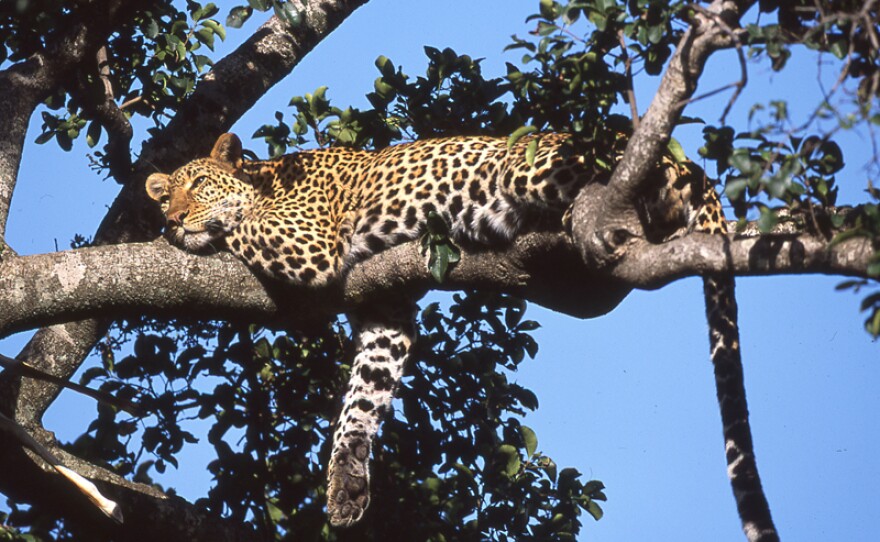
(627, 398)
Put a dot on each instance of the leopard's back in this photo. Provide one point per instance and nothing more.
(483, 190)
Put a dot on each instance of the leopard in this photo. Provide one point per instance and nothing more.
(308, 217)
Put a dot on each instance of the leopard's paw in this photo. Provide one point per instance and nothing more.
(348, 488)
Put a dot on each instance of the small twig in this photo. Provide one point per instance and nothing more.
(131, 102)
(711, 93)
(630, 87)
(30, 371)
(738, 86)
(105, 111)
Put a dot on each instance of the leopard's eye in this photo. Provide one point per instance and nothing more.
(199, 180)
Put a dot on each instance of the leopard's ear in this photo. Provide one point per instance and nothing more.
(157, 186)
(227, 151)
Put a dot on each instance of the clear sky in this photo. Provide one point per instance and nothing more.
(627, 398)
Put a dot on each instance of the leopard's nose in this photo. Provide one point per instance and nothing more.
(176, 218)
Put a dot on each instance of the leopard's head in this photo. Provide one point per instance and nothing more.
(205, 199)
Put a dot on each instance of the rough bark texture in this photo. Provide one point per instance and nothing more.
(155, 278)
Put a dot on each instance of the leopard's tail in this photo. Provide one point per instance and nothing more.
(751, 503)
(385, 335)
(721, 313)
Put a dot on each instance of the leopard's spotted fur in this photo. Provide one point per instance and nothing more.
(305, 218)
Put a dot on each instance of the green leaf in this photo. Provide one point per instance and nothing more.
(519, 133)
(44, 137)
(64, 140)
(655, 33)
(734, 188)
(442, 253)
(530, 439)
(260, 5)
(595, 510)
(262, 349)
(839, 48)
(832, 158)
(439, 262)
(873, 324)
(551, 469)
(206, 36)
(768, 220)
(216, 27)
(531, 150)
(93, 134)
(238, 15)
(151, 29)
(209, 10)
(275, 513)
(287, 13)
(741, 159)
(508, 458)
(674, 148)
(202, 61)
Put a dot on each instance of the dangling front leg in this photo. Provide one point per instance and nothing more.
(384, 337)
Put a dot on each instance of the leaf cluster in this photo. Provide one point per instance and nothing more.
(846, 29)
(152, 62)
(798, 171)
(455, 451)
(451, 98)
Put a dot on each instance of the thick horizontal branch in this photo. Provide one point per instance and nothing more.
(654, 266)
(155, 278)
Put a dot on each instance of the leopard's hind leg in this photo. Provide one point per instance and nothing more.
(385, 335)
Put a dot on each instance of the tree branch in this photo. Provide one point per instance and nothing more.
(107, 112)
(655, 266)
(604, 227)
(155, 278)
(26, 84)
